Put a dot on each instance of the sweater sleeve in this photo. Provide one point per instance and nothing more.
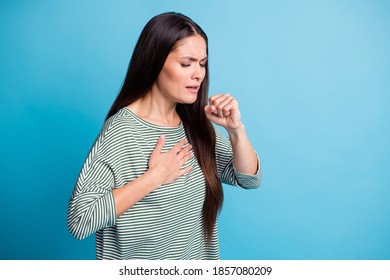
(226, 170)
(92, 206)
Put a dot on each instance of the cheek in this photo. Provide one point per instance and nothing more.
(203, 73)
(174, 75)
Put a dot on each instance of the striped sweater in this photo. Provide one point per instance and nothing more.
(165, 224)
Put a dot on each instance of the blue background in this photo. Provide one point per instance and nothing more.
(312, 81)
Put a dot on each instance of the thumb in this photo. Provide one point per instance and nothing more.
(209, 109)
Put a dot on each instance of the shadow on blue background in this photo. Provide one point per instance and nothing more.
(312, 80)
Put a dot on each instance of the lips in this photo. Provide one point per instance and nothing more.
(193, 89)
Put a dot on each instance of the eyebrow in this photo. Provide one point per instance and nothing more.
(193, 58)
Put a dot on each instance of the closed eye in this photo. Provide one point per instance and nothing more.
(188, 60)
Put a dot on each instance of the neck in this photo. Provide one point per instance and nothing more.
(156, 109)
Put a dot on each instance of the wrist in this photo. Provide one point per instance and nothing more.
(154, 178)
(237, 131)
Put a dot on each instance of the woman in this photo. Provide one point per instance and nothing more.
(151, 185)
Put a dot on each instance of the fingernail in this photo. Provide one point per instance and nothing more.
(162, 137)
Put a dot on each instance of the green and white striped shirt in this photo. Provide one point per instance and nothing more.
(165, 224)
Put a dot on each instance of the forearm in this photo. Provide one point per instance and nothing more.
(244, 156)
(128, 195)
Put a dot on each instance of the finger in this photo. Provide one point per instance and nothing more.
(219, 97)
(209, 109)
(160, 144)
(185, 170)
(214, 97)
(219, 101)
(186, 158)
(223, 109)
(232, 106)
(179, 145)
(184, 151)
(211, 115)
(228, 107)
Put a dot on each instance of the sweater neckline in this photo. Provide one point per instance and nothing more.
(152, 125)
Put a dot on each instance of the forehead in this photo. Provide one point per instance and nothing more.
(191, 46)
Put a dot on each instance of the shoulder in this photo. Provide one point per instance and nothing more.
(117, 126)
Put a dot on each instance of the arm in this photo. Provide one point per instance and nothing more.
(96, 202)
(244, 156)
(223, 110)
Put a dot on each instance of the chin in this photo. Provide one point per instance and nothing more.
(188, 101)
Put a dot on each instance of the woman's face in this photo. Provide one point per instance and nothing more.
(183, 71)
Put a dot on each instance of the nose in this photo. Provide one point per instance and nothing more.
(198, 73)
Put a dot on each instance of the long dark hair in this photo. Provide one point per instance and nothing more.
(156, 41)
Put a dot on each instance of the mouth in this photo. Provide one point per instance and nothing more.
(193, 89)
